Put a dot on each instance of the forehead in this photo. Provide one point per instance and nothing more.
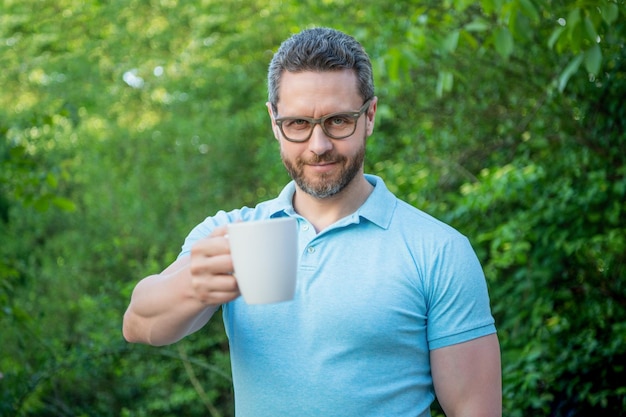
(313, 89)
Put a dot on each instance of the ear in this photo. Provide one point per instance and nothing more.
(275, 128)
(371, 116)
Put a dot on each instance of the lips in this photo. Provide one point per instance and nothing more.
(322, 165)
(321, 160)
(323, 168)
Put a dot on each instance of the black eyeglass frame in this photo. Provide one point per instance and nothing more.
(354, 115)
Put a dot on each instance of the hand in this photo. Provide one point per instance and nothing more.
(211, 268)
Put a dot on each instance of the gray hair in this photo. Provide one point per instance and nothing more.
(320, 49)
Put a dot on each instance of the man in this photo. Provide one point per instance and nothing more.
(391, 305)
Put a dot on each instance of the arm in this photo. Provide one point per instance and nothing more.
(168, 306)
(468, 378)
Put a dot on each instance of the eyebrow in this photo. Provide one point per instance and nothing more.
(297, 116)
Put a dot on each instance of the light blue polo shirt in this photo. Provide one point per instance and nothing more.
(376, 292)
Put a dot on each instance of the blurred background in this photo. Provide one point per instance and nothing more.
(123, 124)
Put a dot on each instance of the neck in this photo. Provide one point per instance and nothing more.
(322, 212)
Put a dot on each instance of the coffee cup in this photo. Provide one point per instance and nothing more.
(265, 259)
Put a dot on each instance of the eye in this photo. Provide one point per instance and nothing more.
(296, 124)
(339, 120)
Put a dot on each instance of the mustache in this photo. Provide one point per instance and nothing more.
(325, 157)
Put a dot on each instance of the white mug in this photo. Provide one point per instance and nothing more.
(265, 259)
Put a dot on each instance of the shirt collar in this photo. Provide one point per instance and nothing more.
(283, 204)
(378, 208)
(380, 205)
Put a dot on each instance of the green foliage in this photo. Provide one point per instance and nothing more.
(553, 242)
(123, 124)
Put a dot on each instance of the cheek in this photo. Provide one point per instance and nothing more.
(292, 151)
(285, 150)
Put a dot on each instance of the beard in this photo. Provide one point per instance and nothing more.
(327, 184)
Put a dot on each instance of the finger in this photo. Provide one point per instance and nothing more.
(203, 263)
(217, 298)
(211, 246)
(220, 231)
(216, 290)
(216, 283)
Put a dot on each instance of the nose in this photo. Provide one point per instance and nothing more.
(319, 143)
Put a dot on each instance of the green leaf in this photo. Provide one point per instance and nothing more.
(573, 17)
(503, 42)
(445, 81)
(470, 40)
(591, 30)
(52, 180)
(492, 6)
(593, 59)
(573, 20)
(461, 5)
(571, 68)
(451, 41)
(488, 6)
(529, 9)
(520, 27)
(554, 37)
(477, 25)
(64, 204)
(609, 12)
(393, 64)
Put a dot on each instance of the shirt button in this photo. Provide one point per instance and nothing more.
(305, 227)
(310, 249)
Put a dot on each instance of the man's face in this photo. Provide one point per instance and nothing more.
(322, 166)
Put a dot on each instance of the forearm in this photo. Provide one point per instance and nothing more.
(163, 309)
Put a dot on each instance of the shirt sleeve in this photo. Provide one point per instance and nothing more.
(205, 228)
(458, 298)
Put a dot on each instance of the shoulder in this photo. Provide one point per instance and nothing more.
(388, 210)
(264, 210)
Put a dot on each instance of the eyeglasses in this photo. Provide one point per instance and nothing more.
(335, 125)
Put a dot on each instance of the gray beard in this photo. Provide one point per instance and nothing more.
(325, 188)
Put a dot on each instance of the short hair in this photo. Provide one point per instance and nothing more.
(320, 49)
